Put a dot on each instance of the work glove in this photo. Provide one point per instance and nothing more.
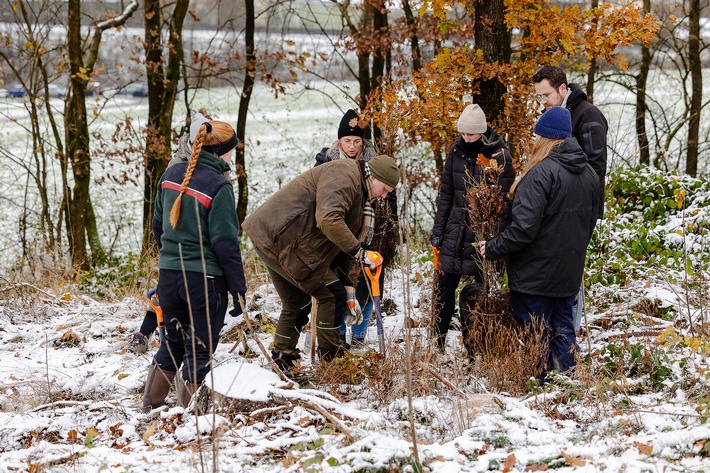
(353, 316)
(237, 311)
(436, 242)
(371, 259)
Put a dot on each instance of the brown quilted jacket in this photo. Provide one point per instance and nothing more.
(308, 222)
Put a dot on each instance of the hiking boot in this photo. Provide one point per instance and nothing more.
(286, 363)
(358, 343)
(139, 343)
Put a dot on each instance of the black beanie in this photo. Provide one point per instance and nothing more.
(349, 125)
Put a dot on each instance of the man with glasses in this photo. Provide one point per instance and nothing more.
(589, 126)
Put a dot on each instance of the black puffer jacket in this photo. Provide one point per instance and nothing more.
(451, 232)
(589, 126)
(553, 219)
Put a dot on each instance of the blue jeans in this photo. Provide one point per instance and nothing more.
(555, 313)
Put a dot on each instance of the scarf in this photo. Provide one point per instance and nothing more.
(368, 214)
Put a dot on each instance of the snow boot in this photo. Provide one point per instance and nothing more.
(157, 387)
(185, 391)
(139, 343)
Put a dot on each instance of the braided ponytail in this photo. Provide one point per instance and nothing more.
(196, 149)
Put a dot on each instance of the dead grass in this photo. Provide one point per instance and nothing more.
(505, 353)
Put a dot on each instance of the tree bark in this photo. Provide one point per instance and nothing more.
(696, 76)
(381, 52)
(77, 139)
(413, 36)
(641, 107)
(247, 89)
(163, 77)
(80, 218)
(591, 72)
(493, 38)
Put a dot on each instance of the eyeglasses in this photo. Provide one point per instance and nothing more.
(348, 142)
(544, 97)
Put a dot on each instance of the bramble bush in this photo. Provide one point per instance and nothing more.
(655, 223)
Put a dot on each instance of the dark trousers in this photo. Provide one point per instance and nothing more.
(193, 320)
(445, 301)
(331, 299)
(555, 313)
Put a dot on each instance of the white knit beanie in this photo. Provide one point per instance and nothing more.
(472, 120)
(195, 125)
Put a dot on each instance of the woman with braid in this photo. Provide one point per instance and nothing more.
(195, 225)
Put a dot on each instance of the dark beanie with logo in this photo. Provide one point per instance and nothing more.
(555, 123)
(349, 125)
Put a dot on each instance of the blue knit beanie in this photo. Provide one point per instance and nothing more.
(556, 123)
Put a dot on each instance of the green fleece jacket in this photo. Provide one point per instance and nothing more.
(208, 224)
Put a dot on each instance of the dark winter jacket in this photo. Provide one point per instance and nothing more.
(304, 226)
(451, 232)
(208, 222)
(554, 210)
(590, 127)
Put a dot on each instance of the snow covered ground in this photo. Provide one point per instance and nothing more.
(71, 392)
(71, 395)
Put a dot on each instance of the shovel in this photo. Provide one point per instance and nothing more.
(375, 288)
(154, 302)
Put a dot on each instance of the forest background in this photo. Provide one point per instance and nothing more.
(408, 67)
(98, 94)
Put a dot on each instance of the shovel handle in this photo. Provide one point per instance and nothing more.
(436, 252)
(374, 280)
(157, 309)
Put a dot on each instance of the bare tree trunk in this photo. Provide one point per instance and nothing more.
(155, 157)
(413, 36)
(80, 219)
(249, 75)
(77, 139)
(493, 38)
(381, 52)
(641, 107)
(591, 72)
(163, 78)
(696, 75)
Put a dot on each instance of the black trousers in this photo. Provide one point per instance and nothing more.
(193, 310)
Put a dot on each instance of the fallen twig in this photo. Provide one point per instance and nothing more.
(271, 362)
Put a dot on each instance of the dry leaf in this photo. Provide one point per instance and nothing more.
(572, 460)
(149, 432)
(643, 448)
(536, 467)
(509, 463)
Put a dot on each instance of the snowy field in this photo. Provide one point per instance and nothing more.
(71, 392)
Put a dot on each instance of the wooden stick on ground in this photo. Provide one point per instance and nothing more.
(271, 362)
(446, 382)
(329, 416)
